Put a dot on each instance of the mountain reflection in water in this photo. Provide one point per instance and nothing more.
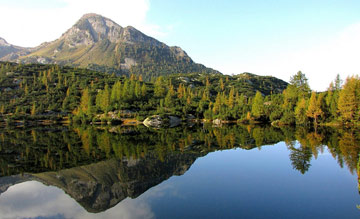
(100, 167)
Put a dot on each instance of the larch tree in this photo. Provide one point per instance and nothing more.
(349, 100)
(85, 102)
(314, 108)
(300, 112)
(257, 108)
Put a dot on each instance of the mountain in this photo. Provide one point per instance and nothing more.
(99, 43)
(8, 51)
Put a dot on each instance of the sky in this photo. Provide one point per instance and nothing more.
(321, 38)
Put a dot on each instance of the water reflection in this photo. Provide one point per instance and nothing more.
(100, 167)
(34, 200)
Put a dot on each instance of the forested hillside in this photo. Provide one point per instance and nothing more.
(36, 91)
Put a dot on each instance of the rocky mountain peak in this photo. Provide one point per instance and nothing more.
(92, 28)
(3, 42)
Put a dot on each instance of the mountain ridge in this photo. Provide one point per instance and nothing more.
(98, 43)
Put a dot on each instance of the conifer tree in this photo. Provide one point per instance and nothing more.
(159, 89)
(300, 112)
(103, 99)
(169, 100)
(222, 86)
(26, 89)
(137, 89)
(207, 82)
(231, 98)
(33, 109)
(85, 102)
(2, 109)
(314, 109)
(349, 100)
(217, 104)
(116, 92)
(257, 108)
(143, 90)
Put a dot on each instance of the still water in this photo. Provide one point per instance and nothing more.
(198, 172)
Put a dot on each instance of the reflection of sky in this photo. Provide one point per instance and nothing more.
(35, 200)
(225, 184)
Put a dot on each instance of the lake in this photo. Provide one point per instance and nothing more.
(185, 172)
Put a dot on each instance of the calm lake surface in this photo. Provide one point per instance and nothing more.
(184, 172)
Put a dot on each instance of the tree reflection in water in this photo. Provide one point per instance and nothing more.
(126, 161)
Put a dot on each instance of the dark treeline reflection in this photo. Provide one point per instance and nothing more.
(51, 149)
(101, 166)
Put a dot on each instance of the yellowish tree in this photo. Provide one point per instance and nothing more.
(314, 108)
(349, 99)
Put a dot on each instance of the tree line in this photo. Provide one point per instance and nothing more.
(31, 91)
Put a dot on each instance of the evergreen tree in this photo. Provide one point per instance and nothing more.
(257, 108)
(300, 112)
(169, 100)
(143, 90)
(314, 109)
(2, 109)
(222, 86)
(85, 102)
(300, 81)
(137, 89)
(217, 104)
(298, 88)
(103, 99)
(159, 89)
(115, 96)
(349, 100)
(33, 109)
(231, 98)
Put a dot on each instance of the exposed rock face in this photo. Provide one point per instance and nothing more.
(92, 28)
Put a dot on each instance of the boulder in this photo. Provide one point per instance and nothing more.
(157, 121)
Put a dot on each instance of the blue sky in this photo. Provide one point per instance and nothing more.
(269, 37)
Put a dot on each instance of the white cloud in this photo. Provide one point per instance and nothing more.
(32, 26)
